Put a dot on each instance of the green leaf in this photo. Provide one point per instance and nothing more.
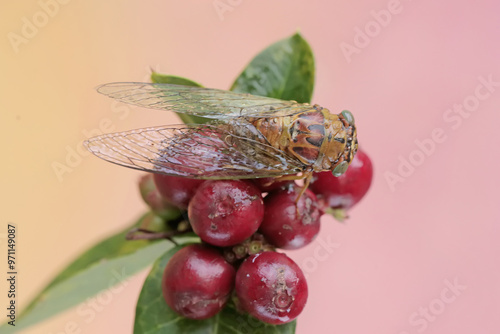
(100, 268)
(285, 70)
(153, 316)
(172, 79)
(175, 80)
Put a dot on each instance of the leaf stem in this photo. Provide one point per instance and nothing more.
(142, 234)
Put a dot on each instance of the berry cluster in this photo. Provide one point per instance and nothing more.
(241, 223)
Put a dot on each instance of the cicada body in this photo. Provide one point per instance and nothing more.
(249, 136)
(317, 138)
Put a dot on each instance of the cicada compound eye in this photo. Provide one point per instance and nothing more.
(348, 117)
(340, 168)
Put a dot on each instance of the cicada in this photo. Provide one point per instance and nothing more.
(248, 136)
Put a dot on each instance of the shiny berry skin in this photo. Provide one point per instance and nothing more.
(226, 212)
(271, 287)
(197, 282)
(346, 190)
(177, 190)
(267, 184)
(286, 227)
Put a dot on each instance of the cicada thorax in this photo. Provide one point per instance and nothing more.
(315, 137)
(305, 134)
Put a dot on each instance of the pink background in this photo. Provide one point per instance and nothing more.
(402, 244)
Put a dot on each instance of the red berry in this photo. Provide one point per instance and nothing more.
(271, 287)
(158, 204)
(226, 212)
(288, 225)
(177, 190)
(197, 282)
(267, 184)
(346, 190)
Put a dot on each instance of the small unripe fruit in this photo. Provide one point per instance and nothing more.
(226, 212)
(344, 191)
(158, 204)
(197, 282)
(271, 287)
(153, 223)
(287, 224)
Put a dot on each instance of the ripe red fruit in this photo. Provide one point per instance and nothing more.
(346, 190)
(271, 287)
(226, 212)
(288, 225)
(177, 190)
(197, 282)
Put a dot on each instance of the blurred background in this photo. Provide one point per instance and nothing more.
(419, 253)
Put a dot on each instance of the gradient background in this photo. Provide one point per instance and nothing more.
(393, 256)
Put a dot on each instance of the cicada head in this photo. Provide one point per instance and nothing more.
(351, 144)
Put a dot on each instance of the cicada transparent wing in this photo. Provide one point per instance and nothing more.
(202, 151)
(204, 102)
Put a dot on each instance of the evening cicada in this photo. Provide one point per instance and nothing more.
(248, 136)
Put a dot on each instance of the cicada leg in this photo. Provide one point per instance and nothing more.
(289, 178)
(307, 180)
(306, 176)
